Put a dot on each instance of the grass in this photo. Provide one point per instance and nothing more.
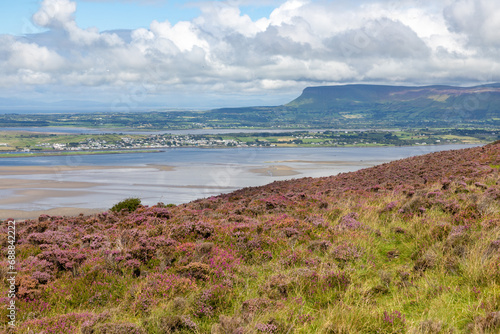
(28, 139)
(406, 247)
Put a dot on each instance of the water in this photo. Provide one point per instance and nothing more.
(196, 173)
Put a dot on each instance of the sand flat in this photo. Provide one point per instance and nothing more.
(275, 171)
(341, 163)
(35, 184)
(31, 195)
(28, 170)
(63, 211)
(32, 170)
(161, 167)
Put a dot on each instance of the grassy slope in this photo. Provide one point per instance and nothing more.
(410, 246)
(375, 102)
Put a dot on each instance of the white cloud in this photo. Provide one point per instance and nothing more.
(224, 51)
(55, 13)
(224, 18)
(184, 35)
(479, 20)
(59, 14)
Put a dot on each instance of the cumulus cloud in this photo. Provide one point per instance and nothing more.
(59, 14)
(223, 51)
(55, 13)
(478, 20)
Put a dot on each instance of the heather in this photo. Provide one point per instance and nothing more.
(411, 246)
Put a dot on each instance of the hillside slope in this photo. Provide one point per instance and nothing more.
(368, 106)
(401, 104)
(409, 246)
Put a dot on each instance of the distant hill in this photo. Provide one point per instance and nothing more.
(346, 106)
(400, 103)
(378, 105)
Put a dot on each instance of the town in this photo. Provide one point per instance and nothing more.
(30, 143)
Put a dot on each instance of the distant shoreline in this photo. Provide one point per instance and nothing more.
(69, 153)
(174, 176)
(65, 153)
(64, 211)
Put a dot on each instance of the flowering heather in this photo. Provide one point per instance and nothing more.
(266, 328)
(411, 246)
(349, 222)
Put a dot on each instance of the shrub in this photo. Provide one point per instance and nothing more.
(118, 328)
(129, 204)
(227, 324)
(251, 306)
(431, 327)
(175, 323)
(489, 323)
(196, 270)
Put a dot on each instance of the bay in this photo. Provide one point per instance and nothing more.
(176, 175)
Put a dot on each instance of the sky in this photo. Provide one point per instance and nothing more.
(121, 55)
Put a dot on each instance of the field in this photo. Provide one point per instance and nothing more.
(43, 143)
(411, 246)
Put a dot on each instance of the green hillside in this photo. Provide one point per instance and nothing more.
(347, 106)
(399, 105)
(411, 246)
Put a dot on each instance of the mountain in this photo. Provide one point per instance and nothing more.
(378, 106)
(401, 103)
(411, 246)
(347, 106)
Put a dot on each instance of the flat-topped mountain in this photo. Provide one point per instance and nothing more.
(398, 103)
(378, 105)
(347, 106)
(329, 95)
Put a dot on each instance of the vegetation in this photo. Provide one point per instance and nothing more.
(129, 204)
(339, 107)
(399, 105)
(50, 144)
(411, 246)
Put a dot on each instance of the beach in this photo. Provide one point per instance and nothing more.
(25, 191)
(90, 184)
(65, 212)
(55, 183)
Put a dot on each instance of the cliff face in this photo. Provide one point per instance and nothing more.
(408, 246)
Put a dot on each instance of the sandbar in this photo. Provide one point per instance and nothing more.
(28, 170)
(201, 186)
(31, 195)
(343, 163)
(32, 184)
(31, 170)
(64, 211)
(161, 167)
(275, 171)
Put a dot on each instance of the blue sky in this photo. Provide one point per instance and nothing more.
(131, 54)
(109, 15)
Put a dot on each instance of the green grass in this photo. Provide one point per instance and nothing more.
(322, 255)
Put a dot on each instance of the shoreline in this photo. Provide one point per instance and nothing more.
(28, 191)
(68, 153)
(33, 170)
(16, 154)
(62, 211)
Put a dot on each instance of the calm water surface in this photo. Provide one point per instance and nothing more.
(196, 173)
